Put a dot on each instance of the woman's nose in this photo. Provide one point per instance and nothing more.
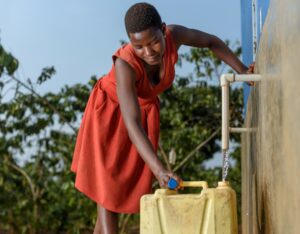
(149, 51)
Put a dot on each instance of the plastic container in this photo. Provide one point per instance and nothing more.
(213, 211)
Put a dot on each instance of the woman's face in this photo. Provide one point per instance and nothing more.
(149, 45)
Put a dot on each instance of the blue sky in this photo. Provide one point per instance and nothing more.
(78, 37)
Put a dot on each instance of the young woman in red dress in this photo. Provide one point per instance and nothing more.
(115, 154)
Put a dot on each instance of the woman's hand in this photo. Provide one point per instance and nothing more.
(250, 70)
(163, 177)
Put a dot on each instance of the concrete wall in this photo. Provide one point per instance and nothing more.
(271, 155)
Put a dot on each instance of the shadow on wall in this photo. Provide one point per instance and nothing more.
(271, 155)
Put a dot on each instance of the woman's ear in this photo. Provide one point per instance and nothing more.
(164, 28)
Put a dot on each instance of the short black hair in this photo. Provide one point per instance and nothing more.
(140, 17)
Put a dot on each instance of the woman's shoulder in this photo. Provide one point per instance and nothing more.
(126, 53)
(175, 31)
(181, 34)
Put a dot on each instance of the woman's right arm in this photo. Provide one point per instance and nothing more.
(131, 113)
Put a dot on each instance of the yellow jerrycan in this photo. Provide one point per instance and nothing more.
(213, 211)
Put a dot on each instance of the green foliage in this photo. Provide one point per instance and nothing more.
(207, 65)
(188, 117)
(37, 136)
(46, 74)
(7, 62)
(38, 133)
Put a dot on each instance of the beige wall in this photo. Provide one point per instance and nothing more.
(271, 155)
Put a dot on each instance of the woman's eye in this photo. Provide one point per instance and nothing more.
(155, 42)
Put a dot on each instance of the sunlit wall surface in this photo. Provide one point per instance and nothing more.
(271, 154)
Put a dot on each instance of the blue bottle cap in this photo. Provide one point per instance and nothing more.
(172, 184)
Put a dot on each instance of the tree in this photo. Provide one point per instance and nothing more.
(38, 133)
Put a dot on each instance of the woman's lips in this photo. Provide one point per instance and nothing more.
(153, 58)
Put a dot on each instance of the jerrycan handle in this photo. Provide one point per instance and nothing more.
(202, 184)
(172, 184)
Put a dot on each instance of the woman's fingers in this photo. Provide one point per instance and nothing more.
(164, 178)
(178, 180)
(250, 83)
(251, 68)
(250, 71)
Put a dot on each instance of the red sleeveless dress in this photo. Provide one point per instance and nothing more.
(108, 167)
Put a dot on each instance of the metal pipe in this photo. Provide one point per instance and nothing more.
(239, 130)
(225, 81)
(247, 77)
(240, 77)
(225, 114)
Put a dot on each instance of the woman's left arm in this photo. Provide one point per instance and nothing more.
(196, 38)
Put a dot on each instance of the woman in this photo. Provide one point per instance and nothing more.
(115, 153)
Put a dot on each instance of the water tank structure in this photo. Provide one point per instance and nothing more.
(271, 153)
